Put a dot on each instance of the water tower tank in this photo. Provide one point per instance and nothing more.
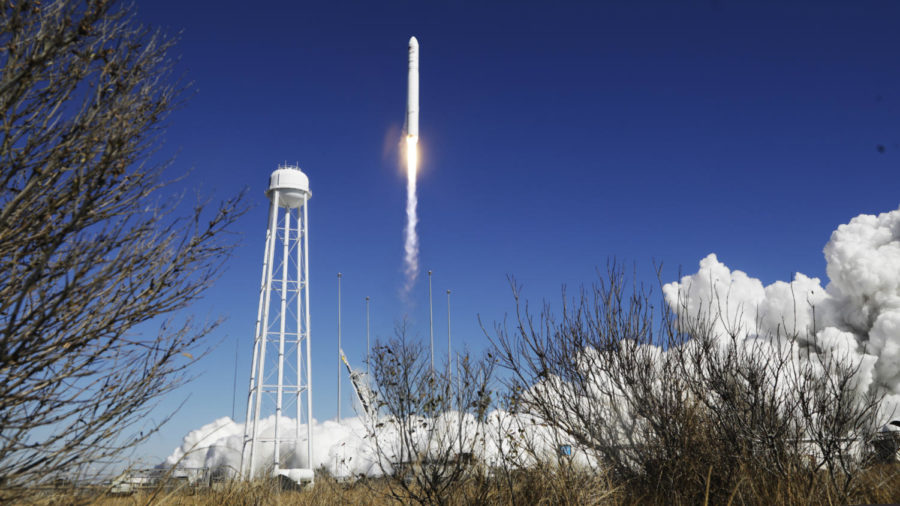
(291, 184)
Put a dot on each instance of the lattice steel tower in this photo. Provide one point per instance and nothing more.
(280, 372)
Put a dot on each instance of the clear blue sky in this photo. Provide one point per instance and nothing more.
(554, 135)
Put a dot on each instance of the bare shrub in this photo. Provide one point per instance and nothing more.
(89, 246)
(675, 411)
(432, 423)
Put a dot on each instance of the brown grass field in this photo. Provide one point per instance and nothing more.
(879, 485)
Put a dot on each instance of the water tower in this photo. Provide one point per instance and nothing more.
(280, 379)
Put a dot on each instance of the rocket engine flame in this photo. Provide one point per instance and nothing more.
(411, 246)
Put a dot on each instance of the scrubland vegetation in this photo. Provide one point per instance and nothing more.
(656, 410)
(659, 403)
(94, 247)
(549, 484)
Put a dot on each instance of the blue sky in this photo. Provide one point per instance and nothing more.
(553, 135)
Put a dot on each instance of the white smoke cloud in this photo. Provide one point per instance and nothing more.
(344, 449)
(339, 447)
(411, 242)
(857, 314)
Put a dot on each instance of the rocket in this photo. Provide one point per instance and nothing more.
(412, 90)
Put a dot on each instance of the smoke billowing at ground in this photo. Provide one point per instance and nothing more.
(411, 238)
(856, 316)
(342, 448)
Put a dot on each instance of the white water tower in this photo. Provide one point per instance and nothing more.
(280, 378)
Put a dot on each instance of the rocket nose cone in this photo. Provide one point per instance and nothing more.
(413, 42)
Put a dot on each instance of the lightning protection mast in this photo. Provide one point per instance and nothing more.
(280, 375)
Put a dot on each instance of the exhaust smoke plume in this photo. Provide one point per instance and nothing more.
(856, 315)
(411, 246)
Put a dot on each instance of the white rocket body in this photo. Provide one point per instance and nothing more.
(412, 95)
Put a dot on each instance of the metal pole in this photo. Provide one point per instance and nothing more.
(449, 355)
(458, 399)
(368, 347)
(248, 421)
(431, 321)
(301, 279)
(285, 265)
(309, 444)
(234, 386)
(261, 369)
(339, 352)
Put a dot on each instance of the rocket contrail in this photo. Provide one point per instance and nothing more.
(411, 247)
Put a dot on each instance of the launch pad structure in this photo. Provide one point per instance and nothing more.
(280, 374)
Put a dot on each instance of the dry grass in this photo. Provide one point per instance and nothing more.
(537, 486)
